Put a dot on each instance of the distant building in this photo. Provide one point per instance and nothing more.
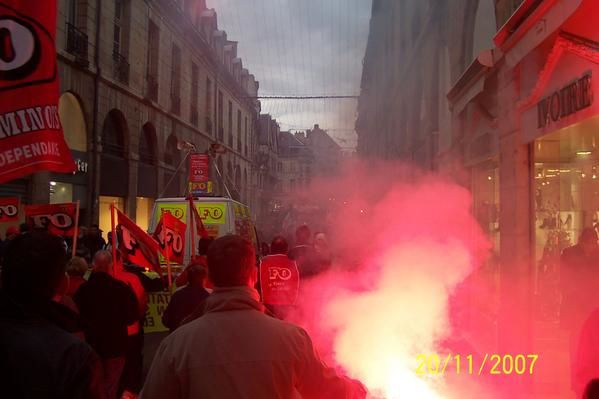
(326, 152)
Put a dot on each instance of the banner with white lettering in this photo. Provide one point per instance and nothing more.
(58, 219)
(31, 137)
(170, 234)
(9, 209)
(279, 280)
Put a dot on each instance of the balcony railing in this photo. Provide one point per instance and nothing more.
(77, 44)
(121, 67)
(152, 88)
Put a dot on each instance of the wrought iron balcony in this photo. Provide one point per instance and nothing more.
(120, 67)
(77, 44)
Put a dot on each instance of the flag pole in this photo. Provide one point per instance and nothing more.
(192, 227)
(114, 259)
(76, 233)
(168, 261)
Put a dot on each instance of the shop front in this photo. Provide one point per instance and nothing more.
(560, 120)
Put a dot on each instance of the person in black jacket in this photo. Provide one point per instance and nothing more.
(107, 307)
(39, 357)
(186, 299)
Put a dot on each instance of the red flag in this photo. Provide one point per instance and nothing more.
(9, 209)
(170, 234)
(31, 137)
(197, 220)
(137, 246)
(58, 219)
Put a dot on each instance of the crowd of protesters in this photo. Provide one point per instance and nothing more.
(73, 328)
(81, 319)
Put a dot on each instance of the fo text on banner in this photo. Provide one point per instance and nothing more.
(31, 137)
(9, 209)
(170, 234)
(58, 219)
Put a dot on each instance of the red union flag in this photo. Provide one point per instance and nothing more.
(137, 246)
(170, 234)
(196, 220)
(198, 168)
(31, 137)
(58, 219)
(9, 209)
(279, 280)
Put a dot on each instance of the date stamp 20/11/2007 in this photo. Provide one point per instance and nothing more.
(489, 364)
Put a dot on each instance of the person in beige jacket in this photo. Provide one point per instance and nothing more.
(234, 350)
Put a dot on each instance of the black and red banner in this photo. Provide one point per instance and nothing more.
(137, 246)
(58, 219)
(9, 209)
(31, 137)
(170, 234)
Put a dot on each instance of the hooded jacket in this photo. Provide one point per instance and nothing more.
(234, 350)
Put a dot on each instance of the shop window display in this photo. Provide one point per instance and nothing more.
(566, 200)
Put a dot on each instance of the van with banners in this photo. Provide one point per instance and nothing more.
(220, 216)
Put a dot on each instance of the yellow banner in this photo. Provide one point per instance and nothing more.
(157, 303)
(211, 213)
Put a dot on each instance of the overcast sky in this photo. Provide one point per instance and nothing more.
(305, 48)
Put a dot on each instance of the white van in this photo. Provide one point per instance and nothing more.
(220, 216)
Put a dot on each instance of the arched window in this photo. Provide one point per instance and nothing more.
(147, 183)
(147, 145)
(114, 170)
(73, 122)
(172, 155)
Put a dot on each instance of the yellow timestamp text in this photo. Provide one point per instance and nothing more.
(492, 364)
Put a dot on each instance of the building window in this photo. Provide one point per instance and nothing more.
(176, 80)
(152, 61)
(221, 130)
(119, 53)
(76, 36)
(230, 125)
(245, 141)
(208, 123)
(194, 94)
(239, 130)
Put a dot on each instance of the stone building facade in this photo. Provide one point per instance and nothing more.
(142, 83)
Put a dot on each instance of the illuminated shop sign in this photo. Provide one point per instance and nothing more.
(568, 100)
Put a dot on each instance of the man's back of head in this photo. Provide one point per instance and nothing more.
(231, 262)
(102, 261)
(303, 235)
(33, 267)
(279, 246)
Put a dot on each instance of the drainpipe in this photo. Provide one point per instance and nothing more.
(93, 193)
